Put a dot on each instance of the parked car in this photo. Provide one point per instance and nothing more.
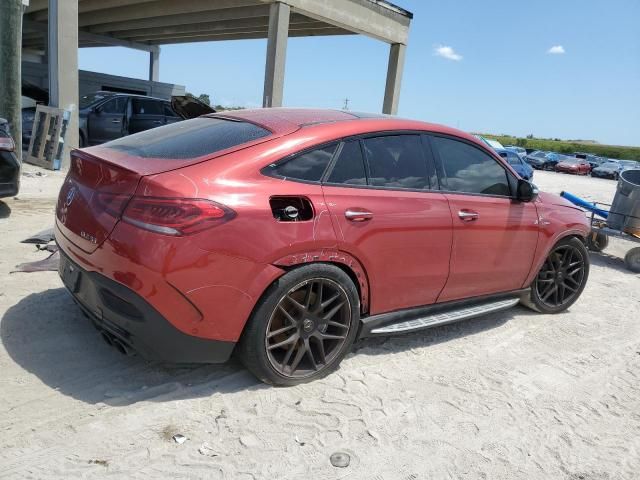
(520, 166)
(285, 234)
(105, 116)
(537, 159)
(495, 144)
(629, 164)
(593, 160)
(610, 169)
(9, 164)
(519, 150)
(574, 165)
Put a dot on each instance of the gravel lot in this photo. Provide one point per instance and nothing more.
(516, 395)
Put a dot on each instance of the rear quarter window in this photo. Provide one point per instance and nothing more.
(189, 139)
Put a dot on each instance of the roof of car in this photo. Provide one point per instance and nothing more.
(281, 120)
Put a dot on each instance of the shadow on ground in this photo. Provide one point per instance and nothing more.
(47, 335)
(603, 259)
(5, 210)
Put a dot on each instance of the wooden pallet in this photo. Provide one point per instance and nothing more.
(47, 137)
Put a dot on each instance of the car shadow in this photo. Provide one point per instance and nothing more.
(47, 335)
(434, 335)
(603, 259)
(5, 210)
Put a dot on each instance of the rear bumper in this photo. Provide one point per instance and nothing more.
(121, 313)
(9, 174)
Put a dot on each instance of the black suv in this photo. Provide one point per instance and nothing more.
(106, 116)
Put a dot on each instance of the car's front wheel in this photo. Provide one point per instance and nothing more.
(302, 327)
(561, 279)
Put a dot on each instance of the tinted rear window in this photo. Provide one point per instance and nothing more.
(308, 166)
(189, 139)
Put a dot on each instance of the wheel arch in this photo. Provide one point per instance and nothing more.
(346, 262)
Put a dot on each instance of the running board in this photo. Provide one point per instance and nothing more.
(439, 314)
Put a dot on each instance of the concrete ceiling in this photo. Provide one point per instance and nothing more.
(145, 23)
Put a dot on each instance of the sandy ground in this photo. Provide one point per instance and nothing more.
(516, 395)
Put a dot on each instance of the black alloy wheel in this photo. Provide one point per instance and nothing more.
(561, 276)
(308, 328)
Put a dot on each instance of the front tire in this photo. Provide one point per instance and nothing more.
(302, 327)
(561, 278)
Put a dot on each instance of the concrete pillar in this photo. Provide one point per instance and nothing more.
(276, 54)
(63, 66)
(394, 79)
(10, 67)
(154, 65)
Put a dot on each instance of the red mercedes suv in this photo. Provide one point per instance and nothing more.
(286, 234)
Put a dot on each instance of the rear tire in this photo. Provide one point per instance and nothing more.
(561, 278)
(302, 327)
(632, 260)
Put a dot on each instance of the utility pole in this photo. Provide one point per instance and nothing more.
(10, 68)
(346, 104)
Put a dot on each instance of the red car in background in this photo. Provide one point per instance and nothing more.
(577, 166)
(286, 234)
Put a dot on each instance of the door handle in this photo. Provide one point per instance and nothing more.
(358, 215)
(468, 216)
(115, 121)
(157, 121)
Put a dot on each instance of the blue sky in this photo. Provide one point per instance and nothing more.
(496, 76)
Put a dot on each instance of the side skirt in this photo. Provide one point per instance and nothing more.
(410, 320)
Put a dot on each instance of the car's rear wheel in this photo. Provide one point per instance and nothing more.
(303, 326)
(561, 279)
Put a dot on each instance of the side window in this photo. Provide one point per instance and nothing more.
(116, 105)
(146, 107)
(168, 111)
(396, 161)
(309, 166)
(468, 169)
(349, 166)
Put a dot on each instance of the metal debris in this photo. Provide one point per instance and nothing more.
(205, 449)
(40, 238)
(50, 263)
(340, 459)
(179, 439)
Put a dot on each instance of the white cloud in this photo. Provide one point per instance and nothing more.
(447, 52)
(556, 50)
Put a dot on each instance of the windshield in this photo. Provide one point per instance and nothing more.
(91, 98)
(610, 165)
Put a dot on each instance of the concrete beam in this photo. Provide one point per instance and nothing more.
(253, 35)
(359, 16)
(154, 65)
(184, 19)
(83, 7)
(160, 8)
(10, 67)
(250, 26)
(394, 79)
(63, 67)
(276, 55)
(86, 37)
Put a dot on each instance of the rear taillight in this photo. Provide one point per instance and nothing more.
(6, 144)
(175, 216)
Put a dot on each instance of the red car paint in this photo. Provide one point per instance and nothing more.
(416, 251)
(578, 167)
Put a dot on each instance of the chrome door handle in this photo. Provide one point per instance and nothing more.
(468, 216)
(157, 121)
(115, 121)
(358, 215)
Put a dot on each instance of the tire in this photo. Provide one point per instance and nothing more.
(81, 141)
(597, 242)
(556, 271)
(632, 260)
(616, 176)
(280, 331)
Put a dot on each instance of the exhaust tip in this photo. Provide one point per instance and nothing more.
(121, 347)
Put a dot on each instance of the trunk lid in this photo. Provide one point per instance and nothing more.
(92, 198)
(190, 107)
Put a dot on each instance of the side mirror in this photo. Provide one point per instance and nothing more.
(527, 191)
(97, 110)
